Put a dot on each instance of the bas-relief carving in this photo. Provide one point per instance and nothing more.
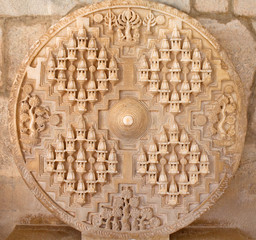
(130, 118)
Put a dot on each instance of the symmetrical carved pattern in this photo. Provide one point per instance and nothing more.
(125, 214)
(168, 147)
(170, 88)
(127, 119)
(71, 70)
(62, 160)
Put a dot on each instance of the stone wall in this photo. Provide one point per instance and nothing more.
(232, 22)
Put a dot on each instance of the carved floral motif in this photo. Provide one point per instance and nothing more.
(33, 117)
(128, 21)
(126, 214)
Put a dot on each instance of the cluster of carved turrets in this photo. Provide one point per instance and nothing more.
(172, 90)
(70, 67)
(182, 171)
(68, 160)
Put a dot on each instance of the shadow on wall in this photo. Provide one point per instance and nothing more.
(30, 232)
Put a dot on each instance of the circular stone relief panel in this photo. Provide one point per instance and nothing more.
(127, 119)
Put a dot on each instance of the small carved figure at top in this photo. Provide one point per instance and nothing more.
(149, 21)
(110, 20)
(128, 20)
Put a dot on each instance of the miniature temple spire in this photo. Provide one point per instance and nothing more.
(186, 52)
(183, 178)
(193, 174)
(206, 72)
(81, 38)
(163, 142)
(92, 49)
(81, 70)
(164, 97)
(112, 161)
(173, 130)
(204, 163)
(51, 68)
(185, 91)
(165, 49)
(184, 142)
(61, 58)
(91, 140)
(142, 162)
(173, 163)
(50, 159)
(196, 61)
(71, 47)
(154, 82)
(154, 59)
(175, 101)
(175, 39)
(112, 70)
(162, 181)
(102, 59)
(143, 69)
(91, 178)
(81, 129)
(194, 153)
(173, 193)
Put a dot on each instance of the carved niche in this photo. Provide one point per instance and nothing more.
(127, 119)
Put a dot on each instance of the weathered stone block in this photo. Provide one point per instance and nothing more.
(6, 159)
(211, 5)
(39, 7)
(183, 5)
(1, 58)
(245, 7)
(17, 201)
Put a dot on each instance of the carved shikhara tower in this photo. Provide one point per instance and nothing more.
(127, 119)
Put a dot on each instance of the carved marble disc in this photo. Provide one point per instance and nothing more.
(127, 119)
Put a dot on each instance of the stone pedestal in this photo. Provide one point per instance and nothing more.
(86, 237)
